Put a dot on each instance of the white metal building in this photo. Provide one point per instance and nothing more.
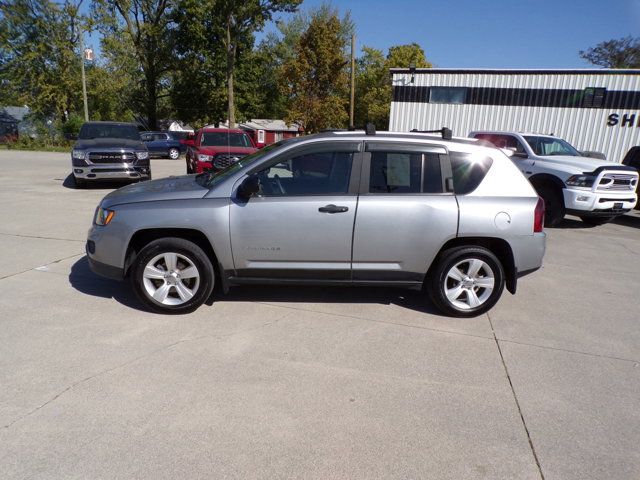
(595, 110)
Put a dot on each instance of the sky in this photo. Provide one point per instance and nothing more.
(493, 33)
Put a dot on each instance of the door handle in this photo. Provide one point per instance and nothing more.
(331, 208)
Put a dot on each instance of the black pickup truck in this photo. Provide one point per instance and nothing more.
(109, 151)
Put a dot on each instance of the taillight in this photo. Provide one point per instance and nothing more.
(538, 216)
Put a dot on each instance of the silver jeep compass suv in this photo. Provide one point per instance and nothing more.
(338, 208)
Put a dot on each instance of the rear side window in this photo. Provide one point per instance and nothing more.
(468, 171)
(405, 172)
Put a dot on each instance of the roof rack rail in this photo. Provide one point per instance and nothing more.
(446, 133)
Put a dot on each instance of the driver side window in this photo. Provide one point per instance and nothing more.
(319, 173)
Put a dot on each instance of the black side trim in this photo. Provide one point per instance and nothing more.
(387, 276)
(325, 283)
(293, 274)
(104, 270)
(521, 71)
(527, 272)
(527, 97)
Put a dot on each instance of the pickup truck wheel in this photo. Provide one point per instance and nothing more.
(172, 275)
(554, 205)
(595, 221)
(466, 281)
(174, 153)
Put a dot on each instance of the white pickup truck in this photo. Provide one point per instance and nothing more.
(593, 189)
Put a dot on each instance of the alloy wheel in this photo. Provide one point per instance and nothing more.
(469, 283)
(171, 278)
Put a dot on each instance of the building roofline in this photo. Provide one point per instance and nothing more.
(522, 71)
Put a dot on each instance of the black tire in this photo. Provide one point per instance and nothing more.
(174, 153)
(438, 281)
(187, 254)
(595, 221)
(79, 183)
(554, 210)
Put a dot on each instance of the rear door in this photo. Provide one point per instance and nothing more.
(300, 224)
(405, 213)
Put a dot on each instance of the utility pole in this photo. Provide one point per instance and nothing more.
(84, 81)
(353, 79)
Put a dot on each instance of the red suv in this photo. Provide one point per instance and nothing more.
(217, 148)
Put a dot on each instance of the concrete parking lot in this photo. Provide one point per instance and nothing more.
(274, 382)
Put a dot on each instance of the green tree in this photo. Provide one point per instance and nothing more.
(619, 53)
(198, 93)
(146, 27)
(39, 57)
(241, 19)
(315, 79)
(373, 80)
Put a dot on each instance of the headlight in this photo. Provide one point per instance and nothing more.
(204, 158)
(103, 216)
(78, 154)
(142, 155)
(580, 181)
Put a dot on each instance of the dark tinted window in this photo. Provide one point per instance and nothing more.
(108, 130)
(401, 172)
(468, 171)
(211, 139)
(447, 94)
(395, 172)
(319, 173)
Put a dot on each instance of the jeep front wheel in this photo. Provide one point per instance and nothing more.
(172, 275)
(466, 281)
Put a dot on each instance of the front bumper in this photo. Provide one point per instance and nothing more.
(104, 270)
(587, 202)
(118, 171)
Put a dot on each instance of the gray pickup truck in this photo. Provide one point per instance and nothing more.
(109, 151)
(336, 208)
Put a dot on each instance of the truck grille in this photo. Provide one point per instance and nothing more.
(617, 182)
(111, 157)
(223, 160)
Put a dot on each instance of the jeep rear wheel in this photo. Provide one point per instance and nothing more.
(172, 275)
(554, 204)
(466, 281)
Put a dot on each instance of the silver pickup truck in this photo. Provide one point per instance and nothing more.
(338, 208)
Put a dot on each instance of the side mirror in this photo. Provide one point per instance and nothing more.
(249, 186)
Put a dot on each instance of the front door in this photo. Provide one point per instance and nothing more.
(300, 224)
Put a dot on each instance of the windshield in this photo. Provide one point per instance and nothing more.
(212, 139)
(210, 179)
(551, 146)
(107, 130)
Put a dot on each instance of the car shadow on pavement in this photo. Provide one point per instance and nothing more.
(410, 299)
(85, 281)
(627, 221)
(70, 183)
